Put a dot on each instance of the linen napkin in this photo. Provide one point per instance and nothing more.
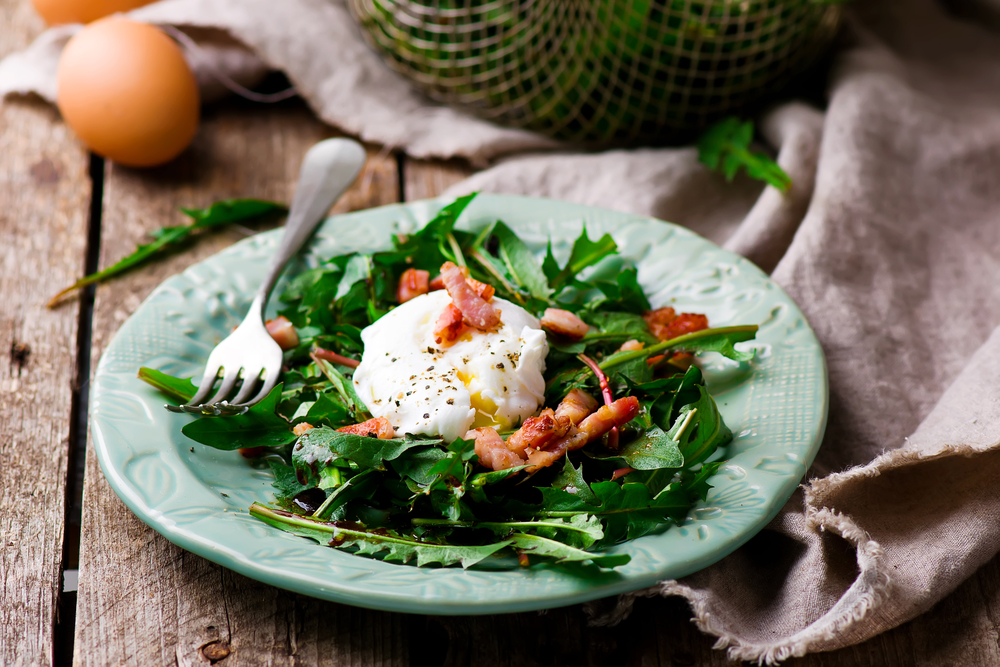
(888, 240)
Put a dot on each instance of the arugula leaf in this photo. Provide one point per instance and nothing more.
(357, 408)
(624, 294)
(617, 327)
(652, 451)
(628, 510)
(585, 253)
(181, 389)
(699, 429)
(719, 340)
(416, 464)
(477, 483)
(449, 478)
(392, 546)
(359, 486)
(550, 267)
(357, 269)
(444, 222)
(725, 147)
(520, 262)
(580, 530)
(454, 466)
(259, 426)
(220, 213)
(571, 480)
(428, 248)
(286, 482)
(695, 484)
(325, 411)
(563, 553)
(323, 445)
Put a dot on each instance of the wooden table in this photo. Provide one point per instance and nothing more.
(143, 601)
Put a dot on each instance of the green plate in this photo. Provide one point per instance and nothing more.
(197, 497)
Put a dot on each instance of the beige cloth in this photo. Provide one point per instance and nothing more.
(889, 241)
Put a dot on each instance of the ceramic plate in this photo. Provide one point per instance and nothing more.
(197, 497)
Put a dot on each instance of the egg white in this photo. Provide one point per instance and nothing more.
(483, 379)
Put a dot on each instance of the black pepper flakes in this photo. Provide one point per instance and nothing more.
(427, 415)
(450, 401)
(500, 365)
(430, 368)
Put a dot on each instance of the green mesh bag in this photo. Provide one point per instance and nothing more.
(599, 71)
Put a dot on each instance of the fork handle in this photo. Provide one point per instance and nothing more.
(327, 170)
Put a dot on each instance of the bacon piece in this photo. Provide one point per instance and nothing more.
(482, 289)
(631, 346)
(593, 427)
(549, 426)
(412, 284)
(377, 427)
(282, 332)
(686, 323)
(538, 432)
(492, 450)
(301, 428)
(575, 406)
(476, 312)
(334, 358)
(665, 323)
(449, 326)
(564, 323)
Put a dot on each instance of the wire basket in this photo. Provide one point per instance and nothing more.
(599, 71)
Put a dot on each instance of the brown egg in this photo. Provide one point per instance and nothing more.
(82, 11)
(127, 92)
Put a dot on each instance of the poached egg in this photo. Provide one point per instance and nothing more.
(483, 379)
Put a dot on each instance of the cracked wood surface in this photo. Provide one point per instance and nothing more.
(44, 191)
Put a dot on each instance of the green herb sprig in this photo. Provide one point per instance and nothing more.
(217, 215)
(725, 147)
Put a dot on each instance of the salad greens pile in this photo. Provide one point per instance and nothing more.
(420, 499)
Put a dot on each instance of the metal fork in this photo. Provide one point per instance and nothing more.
(249, 353)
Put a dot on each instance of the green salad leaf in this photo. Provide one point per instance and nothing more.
(388, 544)
(180, 389)
(260, 426)
(217, 215)
(725, 147)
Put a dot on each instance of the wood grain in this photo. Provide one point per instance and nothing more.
(143, 601)
(423, 179)
(44, 191)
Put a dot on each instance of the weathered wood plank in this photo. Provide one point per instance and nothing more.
(423, 179)
(44, 191)
(143, 601)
